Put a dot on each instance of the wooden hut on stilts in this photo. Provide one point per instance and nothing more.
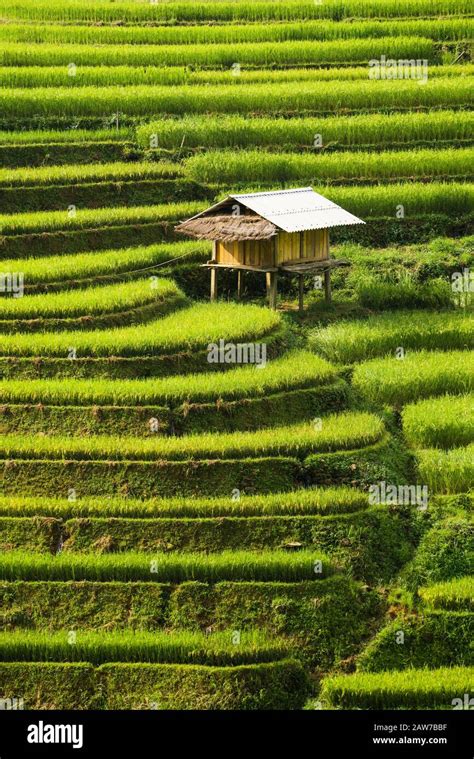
(285, 232)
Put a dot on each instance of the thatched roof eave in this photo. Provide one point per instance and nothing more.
(228, 228)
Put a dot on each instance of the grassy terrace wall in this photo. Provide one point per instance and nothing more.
(93, 237)
(281, 685)
(245, 414)
(281, 608)
(101, 194)
(149, 479)
(83, 151)
(104, 307)
(90, 229)
(332, 433)
(80, 270)
(123, 367)
(47, 685)
(314, 501)
(209, 464)
(372, 544)
(132, 183)
(296, 386)
(430, 639)
(201, 477)
(30, 533)
(177, 342)
(444, 553)
(433, 626)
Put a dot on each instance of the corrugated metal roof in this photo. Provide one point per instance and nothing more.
(292, 210)
(297, 210)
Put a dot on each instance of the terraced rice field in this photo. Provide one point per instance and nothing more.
(183, 533)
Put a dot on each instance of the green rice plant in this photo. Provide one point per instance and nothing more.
(447, 471)
(74, 11)
(237, 566)
(310, 501)
(100, 75)
(362, 339)
(453, 595)
(234, 131)
(274, 98)
(65, 175)
(446, 422)
(58, 76)
(435, 29)
(56, 136)
(382, 293)
(85, 268)
(93, 301)
(369, 202)
(50, 221)
(294, 370)
(190, 329)
(418, 199)
(348, 73)
(180, 647)
(421, 374)
(229, 167)
(303, 52)
(407, 689)
(344, 431)
(437, 258)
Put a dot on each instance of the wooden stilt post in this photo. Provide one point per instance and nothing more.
(327, 277)
(268, 281)
(273, 289)
(301, 293)
(327, 285)
(213, 284)
(239, 284)
(300, 277)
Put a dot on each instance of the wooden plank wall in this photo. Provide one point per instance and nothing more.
(246, 253)
(314, 244)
